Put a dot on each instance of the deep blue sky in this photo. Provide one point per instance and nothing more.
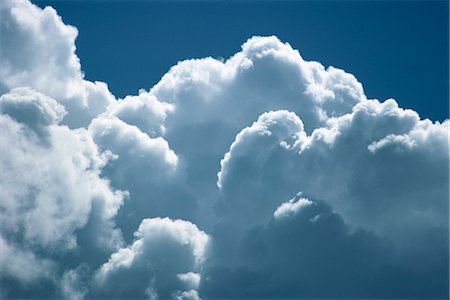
(396, 49)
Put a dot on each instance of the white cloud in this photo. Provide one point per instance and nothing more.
(369, 164)
(72, 285)
(222, 144)
(192, 280)
(291, 208)
(31, 108)
(254, 174)
(381, 168)
(133, 146)
(227, 95)
(161, 262)
(20, 263)
(187, 295)
(51, 184)
(143, 111)
(38, 51)
(147, 168)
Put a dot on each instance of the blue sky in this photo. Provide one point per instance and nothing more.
(224, 150)
(397, 49)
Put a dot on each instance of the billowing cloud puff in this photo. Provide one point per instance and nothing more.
(163, 262)
(379, 162)
(129, 143)
(51, 185)
(368, 164)
(218, 98)
(17, 263)
(266, 75)
(292, 208)
(397, 167)
(147, 168)
(143, 111)
(221, 144)
(249, 166)
(38, 51)
(31, 108)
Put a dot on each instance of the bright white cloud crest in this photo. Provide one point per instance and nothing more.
(181, 191)
(161, 262)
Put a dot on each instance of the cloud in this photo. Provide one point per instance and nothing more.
(266, 75)
(304, 250)
(17, 263)
(51, 185)
(162, 262)
(31, 108)
(256, 166)
(307, 250)
(38, 51)
(221, 145)
(292, 207)
(73, 285)
(144, 111)
(212, 100)
(369, 164)
(133, 146)
(379, 162)
(147, 168)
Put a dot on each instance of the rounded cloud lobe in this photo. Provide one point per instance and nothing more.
(181, 190)
(38, 51)
(51, 187)
(162, 262)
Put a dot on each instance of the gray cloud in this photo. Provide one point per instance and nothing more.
(306, 250)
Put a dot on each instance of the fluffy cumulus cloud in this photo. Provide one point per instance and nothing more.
(38, 51)
(163, 262)
(262, 175)
(365, 163)
(381, 168)
(146, 168)
(51, 186)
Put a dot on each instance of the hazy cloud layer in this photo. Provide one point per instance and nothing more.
(263, 175)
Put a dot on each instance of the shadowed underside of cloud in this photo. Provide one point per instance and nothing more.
(181, 191)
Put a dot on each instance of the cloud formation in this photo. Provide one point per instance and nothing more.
(182, 191)
(38, 51)
(51, 186)
(162, 262)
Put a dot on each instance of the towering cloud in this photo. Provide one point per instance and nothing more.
(38, 51)
(263, 175)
